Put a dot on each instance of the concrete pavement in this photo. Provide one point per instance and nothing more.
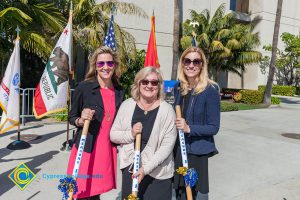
(255, 160)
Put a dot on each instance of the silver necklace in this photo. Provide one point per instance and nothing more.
(146, 110)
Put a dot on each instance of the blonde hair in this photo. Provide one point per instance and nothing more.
(92, 72)
(142, 74)
(203, 79)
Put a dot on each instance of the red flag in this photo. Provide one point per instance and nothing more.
(151, 56)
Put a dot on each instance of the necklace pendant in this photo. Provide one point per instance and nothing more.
(108, 117)
(145, 112)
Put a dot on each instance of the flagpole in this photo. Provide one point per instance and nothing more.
(66, 145)
(18, 38)
(18, 144)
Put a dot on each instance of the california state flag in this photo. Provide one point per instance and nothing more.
(52, 91)
(10, 92)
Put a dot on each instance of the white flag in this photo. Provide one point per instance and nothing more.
(52, 91)
(10, 92)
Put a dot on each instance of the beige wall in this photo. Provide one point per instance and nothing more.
(163, 9)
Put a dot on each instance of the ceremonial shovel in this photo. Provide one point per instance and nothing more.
(183, 154)
(137, 156)
(68, 185)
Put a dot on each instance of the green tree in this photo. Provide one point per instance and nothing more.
(38, 22)
(268, 91)
(133, 66)
(287, 61)
(228, 44)
(91, 21)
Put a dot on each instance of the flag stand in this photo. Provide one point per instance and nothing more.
(18, 144)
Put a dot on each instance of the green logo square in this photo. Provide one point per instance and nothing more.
(22, 176)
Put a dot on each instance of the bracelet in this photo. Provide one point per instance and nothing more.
(77, 121)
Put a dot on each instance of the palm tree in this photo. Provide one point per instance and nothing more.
(268, 91)
(38, 22)
(91, 21)
(176, 37)
(227, 43)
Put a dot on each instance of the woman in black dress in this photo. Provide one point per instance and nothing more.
(198, 97)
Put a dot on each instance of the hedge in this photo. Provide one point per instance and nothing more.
(297, 89)
(275, 100)
(226, 107)
(282, 90)
(252, 96)
(230, 90)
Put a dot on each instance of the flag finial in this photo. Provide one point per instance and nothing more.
(71, 6)
(18, 30)
(113, 8)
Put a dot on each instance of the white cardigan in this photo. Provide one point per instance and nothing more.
(157, 156)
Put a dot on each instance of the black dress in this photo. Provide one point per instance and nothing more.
(149, 188)
(199, 163)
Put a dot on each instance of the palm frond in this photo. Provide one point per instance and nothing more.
(10, 14)
(249, 57)
(233, 44)
(222, 34)
(49, 19)
(186, 42)
(203, 40)
(36, 43)
(216, 46)
(123, 7)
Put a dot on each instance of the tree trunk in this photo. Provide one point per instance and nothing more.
(268, 92)
(176, 27)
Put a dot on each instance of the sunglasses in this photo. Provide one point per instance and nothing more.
(196, 62)
(146, 82)
(101, 64)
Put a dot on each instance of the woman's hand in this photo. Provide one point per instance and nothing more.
(86, 114)
(136, 129)
(140, 174)
(181, 124)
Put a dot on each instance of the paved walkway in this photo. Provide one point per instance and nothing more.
(255, 161)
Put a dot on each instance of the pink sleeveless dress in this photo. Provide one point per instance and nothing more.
(97, 172)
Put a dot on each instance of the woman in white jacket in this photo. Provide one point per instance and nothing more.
(146, 113)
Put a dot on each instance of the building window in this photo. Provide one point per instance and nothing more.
(239, 5)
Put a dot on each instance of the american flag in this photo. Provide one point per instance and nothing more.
(193, 41)
(110, 36)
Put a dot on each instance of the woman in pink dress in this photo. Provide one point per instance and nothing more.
(97, 98)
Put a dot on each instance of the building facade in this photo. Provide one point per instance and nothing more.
(245, 10)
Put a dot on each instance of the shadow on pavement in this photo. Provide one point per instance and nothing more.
(289, 101)
(7, 184)
(4, 151)
(47, 136)
(22, 129)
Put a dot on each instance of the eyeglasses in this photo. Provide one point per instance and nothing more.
(146, 82)
(101, 64)
(197, 62)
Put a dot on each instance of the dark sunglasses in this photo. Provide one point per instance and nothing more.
(101, 64)
(196, 62)
(146, 82)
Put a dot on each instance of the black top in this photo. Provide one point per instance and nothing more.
(87, 95)
(185, 103)
(147, 122)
